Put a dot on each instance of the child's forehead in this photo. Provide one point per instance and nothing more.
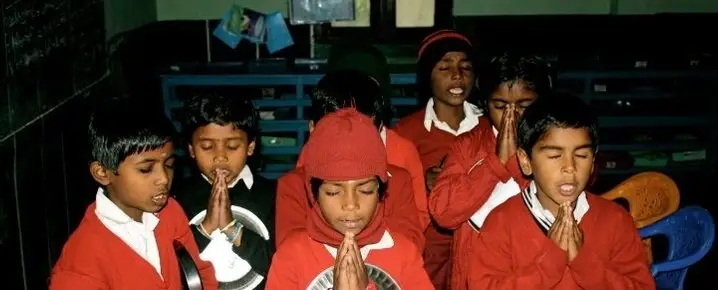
(565, 137)
(229, 130)
(165, 151)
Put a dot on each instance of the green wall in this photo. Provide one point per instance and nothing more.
(123, 15)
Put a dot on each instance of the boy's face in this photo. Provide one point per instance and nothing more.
(452, 79)
(561, 164)
(509, 93)
(141, 183)
(348, 206)
(224, 147)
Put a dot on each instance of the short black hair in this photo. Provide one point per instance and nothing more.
(121, 127)
(531, 70)
(348, 88)
(207, 108)
(555, 110)
(315, 183)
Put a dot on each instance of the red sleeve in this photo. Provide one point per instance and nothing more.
(470, 173)
(491, 260)
(416, 171)
(75, 271)
(400, 212)
(291, 206)
(628, 264)
(284, 270)
(70, 280)
(184, 235)
(413, 275)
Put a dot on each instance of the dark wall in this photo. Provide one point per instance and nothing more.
(53, 63)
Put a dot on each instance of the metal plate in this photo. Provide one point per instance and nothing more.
(245, 217)
(382, 280)
(250, 222)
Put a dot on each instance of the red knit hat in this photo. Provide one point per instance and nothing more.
(345, 145)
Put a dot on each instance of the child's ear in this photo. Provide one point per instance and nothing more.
(524, 162)
(99, 173)
(190, 149)
(250, 148)
(311, 126)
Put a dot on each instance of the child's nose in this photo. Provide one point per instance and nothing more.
(350, 202)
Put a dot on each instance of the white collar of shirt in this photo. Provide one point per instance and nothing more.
(386, 242)
(543, 216)
(139, 236)
(245, 174)
(382, 133)
(107, 209)
(471, 119)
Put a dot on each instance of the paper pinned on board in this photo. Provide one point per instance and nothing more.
(362, 15)
(415, 13)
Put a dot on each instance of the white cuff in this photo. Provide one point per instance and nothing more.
(227, 265)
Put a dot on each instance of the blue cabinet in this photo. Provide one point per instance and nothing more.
(627, 101)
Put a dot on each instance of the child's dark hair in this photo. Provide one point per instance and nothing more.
(120, 127)
(315, 183)
(348, 88)
(204, 109)
(532, 71)
(555, 110)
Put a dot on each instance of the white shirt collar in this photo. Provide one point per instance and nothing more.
(471, 119)
(382, 133)
(386, 242)
(543, 216)
(245, 174)
(107, 209)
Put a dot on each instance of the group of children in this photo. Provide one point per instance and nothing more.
(455, 196)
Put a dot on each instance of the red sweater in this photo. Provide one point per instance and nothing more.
(293, 206)
(95, 258)
(471, 171)
(433, 146)
(402, 153)
(513, 253)
(300, 260)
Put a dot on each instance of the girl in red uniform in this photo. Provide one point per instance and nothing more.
(345, 236)
(445, 79)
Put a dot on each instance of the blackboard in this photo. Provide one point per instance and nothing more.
(53, 49)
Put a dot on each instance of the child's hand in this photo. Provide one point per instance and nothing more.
(557, 232)
(341, 275)
(225, 205)
(506, 139)
(212, 218)
(358, 277)
(431, 176)
(433, 173)
(575, 240)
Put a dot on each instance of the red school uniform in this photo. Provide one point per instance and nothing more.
(95, 258)
(470, 175)
(293, 206)
(306, 256)
(434, 146)
(401, 152)
(513, 252)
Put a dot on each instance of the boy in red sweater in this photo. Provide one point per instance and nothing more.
(346, 244)
(554, 235)
(445, 79)
(481, 170)
(127, 238)
(337, 90)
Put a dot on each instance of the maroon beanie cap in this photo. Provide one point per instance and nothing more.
(345, 145)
